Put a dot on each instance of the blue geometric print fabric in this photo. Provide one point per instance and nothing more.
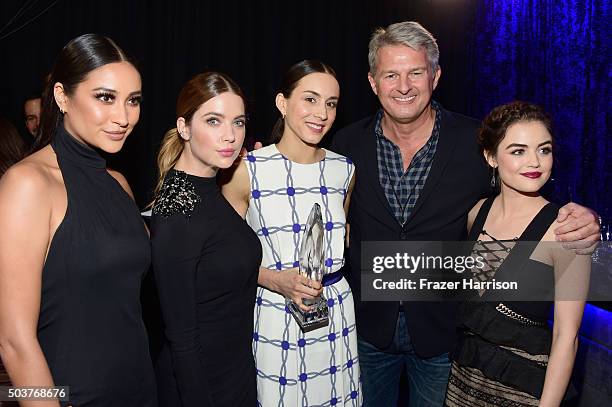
(321, 367)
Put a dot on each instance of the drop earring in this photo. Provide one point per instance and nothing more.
(493, 182)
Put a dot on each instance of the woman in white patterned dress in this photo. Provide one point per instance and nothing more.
(274, 188)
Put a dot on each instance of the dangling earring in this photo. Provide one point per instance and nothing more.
(493, 182)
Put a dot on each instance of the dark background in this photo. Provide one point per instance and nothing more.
(554, 53)
(254, 42)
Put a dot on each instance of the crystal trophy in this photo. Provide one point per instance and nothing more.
(312, 266)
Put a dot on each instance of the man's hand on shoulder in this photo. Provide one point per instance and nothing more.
(580, 228)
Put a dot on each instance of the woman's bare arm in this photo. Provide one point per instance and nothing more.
(25, 216)
(572, 274)
(236, 189)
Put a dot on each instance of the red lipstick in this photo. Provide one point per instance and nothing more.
(533, 175)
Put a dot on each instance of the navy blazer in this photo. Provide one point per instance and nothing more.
(458, 178)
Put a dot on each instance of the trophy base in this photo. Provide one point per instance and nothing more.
(311, 320)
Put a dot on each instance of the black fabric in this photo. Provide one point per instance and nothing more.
(458, 178)
(483, 319)
(90, 326)
(480, 219)
(536, 277)
(501, 365)
(484, 330)
(206, 264)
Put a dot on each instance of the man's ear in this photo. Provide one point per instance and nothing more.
(437, 77)
(372, 83)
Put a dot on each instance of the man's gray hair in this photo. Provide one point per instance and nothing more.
(408, 33)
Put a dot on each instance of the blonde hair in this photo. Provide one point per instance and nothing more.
(172, 147)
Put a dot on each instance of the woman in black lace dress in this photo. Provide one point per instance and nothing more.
(506, 353)
(74, 247)
(205, 257)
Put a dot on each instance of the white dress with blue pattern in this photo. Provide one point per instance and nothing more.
(318, 368)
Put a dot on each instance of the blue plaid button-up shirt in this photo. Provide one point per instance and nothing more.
(401, 188)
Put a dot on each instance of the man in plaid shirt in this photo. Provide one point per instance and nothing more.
(418, 173)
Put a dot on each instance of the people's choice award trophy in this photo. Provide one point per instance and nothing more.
(312, 266)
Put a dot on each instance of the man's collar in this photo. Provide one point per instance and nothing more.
(380, 113)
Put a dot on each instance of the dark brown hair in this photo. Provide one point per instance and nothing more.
(12, 146)
(494, 126)
(197, 91)
(290, 81)
(77, 59)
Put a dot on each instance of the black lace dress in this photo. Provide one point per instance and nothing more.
(90, 324)
(503, 347)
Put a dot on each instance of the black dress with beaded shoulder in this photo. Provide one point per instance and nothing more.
(502, 350)
(206, 262)
(90, 326)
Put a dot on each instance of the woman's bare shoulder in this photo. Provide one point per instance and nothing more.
(473, 212)
(35, 175)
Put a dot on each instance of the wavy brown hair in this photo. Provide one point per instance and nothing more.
(494, 126)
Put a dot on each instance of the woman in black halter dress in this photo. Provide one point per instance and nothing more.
(506, 354)
(75, 249)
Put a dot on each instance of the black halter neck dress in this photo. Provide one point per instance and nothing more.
(90, 326)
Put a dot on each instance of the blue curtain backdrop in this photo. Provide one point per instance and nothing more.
(556, 54)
